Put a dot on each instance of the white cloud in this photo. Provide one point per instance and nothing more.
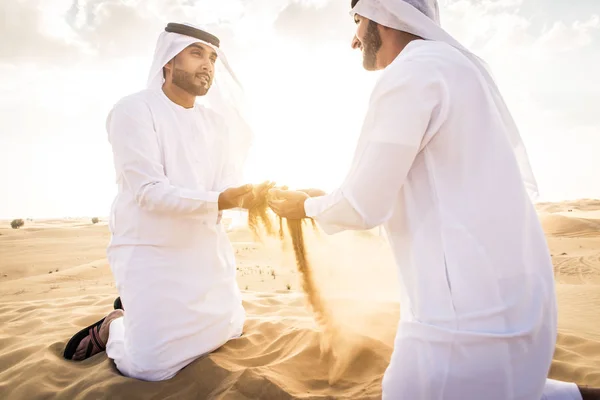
(562, 37)
(482, 24)
(28, 35)
(499, 25)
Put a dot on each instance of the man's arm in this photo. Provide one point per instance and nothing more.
(366, 200)
(401, 113)
(313, 192)
(137, 159)
(231, 174)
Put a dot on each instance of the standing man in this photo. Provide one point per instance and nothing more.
(441, 165)
(178, 167)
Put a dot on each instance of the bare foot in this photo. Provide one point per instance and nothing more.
(90, 346)
(589, 393)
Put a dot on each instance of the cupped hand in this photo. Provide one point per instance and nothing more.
(288, 203)
(246, 196)
(313, 192)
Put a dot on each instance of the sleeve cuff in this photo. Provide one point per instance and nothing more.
(314, 206)
(212, 215)
(318, 207)
(310, 208)
(213, 197)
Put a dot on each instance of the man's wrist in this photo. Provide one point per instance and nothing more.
(302, 206)
(223, 203)
(309, 206)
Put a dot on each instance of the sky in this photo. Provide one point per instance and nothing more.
(65, 63)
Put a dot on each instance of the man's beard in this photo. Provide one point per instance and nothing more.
(371, 45)
(185, 81)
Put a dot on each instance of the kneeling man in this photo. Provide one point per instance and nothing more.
(178, 167)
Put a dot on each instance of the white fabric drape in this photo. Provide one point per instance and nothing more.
(170, 256)
(435, 166)
(226, 96)
(404, 16)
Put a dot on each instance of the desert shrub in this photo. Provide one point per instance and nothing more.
(17, 223)
(95, 220)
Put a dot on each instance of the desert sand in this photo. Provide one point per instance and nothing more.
(55, 280)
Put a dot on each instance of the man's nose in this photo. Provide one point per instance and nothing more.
(207, 67)
(355, 42)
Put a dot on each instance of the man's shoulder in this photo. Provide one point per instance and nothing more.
(136, 101)
(415, 66)
(423, 50)
(437, 56)
(133, 107)
(426, 62)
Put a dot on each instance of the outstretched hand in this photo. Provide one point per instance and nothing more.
(288, 203)
(313, 192)
(246, 196)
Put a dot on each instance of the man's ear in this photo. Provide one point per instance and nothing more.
(168, 66)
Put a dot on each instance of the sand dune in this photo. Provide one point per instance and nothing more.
(54, 279)
(561, 225)
(569, 206)
(277, 358)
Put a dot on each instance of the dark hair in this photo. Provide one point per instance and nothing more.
(353, 3)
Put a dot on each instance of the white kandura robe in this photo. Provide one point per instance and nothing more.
(172, 261)
(434, 165)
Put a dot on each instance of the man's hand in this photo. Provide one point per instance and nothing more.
(245, 196)
(313, 192)
(232, 197)
(288, 203)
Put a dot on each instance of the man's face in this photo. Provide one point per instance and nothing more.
(193, 69)
(367, 39)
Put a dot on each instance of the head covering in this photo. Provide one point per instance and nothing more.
(226, 95)
(421, 18)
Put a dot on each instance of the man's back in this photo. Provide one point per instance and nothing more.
(474, 267)
(466, 183)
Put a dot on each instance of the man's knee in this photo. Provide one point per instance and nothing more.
(145, 366)
(146, 374)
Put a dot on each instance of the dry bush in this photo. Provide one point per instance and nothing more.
(17, 223)
(95, 220)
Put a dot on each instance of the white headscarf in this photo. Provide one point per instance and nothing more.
(225, 97)
(421, 18)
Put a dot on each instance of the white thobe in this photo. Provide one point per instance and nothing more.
(172, 261)
(434, 166)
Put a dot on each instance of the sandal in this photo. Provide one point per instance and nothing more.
(95, 345)
(118, 305)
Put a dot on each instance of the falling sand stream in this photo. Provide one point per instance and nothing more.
(333, 344)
